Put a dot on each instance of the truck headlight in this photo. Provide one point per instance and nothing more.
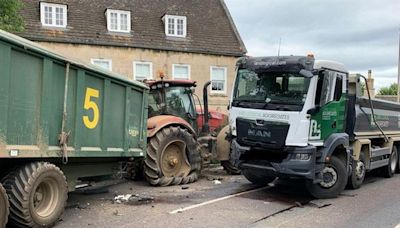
(303, 157)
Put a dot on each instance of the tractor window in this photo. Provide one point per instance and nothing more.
(175, 101)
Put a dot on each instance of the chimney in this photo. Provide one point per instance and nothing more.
(370, 82)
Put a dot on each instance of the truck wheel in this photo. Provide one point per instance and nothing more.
(390, 169)
(358, 173)
(173, 157)
(38, 193)
(4, 207)
(258, 177)
(334, 180)
(230, 168)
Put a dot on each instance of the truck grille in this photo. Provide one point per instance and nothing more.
(261, 134)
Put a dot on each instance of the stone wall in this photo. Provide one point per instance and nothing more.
(123, 58)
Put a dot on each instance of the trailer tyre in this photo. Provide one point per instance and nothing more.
(4, 207)
(390, 169)
(38, 194)
(258, 177)
(333, 183)
(358, 173)
(173, 158)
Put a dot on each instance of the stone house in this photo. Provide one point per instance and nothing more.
(184, 39)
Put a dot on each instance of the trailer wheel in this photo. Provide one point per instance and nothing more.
(38, 193)
(258, 177)
(173, 157)
(390, 169)
(230, 168)
(358, 173)
(334, 180)
(4, 207)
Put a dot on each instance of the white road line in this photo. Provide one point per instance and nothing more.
(217, 200)
(398, 226)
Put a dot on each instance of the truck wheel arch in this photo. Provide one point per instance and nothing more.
(336, 145)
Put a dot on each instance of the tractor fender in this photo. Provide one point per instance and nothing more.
(223, 144)
(156, 123)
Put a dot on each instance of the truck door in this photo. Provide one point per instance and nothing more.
(331, 100)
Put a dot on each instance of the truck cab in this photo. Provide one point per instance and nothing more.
(284, 113)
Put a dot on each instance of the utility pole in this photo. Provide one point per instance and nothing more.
(398, 73)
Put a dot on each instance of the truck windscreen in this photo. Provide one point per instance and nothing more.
(270, 90)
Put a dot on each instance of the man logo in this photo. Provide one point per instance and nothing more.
(259, 133)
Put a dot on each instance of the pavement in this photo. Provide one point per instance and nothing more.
(221, 200)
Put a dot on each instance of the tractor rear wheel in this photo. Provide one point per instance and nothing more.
(38, 194)
(4, 207)
(173, 157)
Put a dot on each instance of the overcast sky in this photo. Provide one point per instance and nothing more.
(362, 34)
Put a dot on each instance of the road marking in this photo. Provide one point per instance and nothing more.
(217, 200)
(398, 226)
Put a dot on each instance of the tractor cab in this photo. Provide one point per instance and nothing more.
(173, 97)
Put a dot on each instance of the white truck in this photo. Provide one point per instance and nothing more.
(297, 117)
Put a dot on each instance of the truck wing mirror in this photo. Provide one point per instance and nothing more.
(306, 73)
(313, 110)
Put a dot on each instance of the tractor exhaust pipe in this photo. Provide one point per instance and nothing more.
(206, 126)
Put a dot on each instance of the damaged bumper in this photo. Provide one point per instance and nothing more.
(300, 162)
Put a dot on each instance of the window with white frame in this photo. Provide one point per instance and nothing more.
(142, 70)
(54, 15)
(175, 25)
(181, 71)
(118, 20)
(103, 63)
(218, 79)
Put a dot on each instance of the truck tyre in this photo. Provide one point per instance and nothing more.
(258, 177)
(38, 194)
(173, 157)
(230, 168)
(390, 169)
(4, 207)
(334, 180)
(358, 173)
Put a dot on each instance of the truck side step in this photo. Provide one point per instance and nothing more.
(380, 151)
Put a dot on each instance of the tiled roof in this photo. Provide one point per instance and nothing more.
(210, 29)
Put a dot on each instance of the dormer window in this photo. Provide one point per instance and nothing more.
(53, 15)
(175, 25)
(118, 20)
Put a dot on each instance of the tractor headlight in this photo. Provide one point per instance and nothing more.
(303, 157)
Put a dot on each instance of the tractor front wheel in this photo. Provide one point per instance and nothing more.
(173, 157)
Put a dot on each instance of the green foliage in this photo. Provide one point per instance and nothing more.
(10, 17)
(391, 90)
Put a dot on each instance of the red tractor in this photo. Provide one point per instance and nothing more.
(176, 143)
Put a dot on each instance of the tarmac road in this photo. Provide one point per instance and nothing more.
(236, 203)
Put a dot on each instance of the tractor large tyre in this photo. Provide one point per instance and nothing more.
(183, 166)
(38, 194)
(4, 207)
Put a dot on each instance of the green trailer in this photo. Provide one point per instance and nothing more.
(62, 123)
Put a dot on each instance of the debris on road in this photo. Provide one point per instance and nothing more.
(133, 199)
(217, 182)
(184, 187)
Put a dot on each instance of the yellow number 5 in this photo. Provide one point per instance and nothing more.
(89, 104)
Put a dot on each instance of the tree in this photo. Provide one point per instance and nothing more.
(391, 90)
(10, 17)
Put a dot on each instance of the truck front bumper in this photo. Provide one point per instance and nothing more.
(299, 163)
